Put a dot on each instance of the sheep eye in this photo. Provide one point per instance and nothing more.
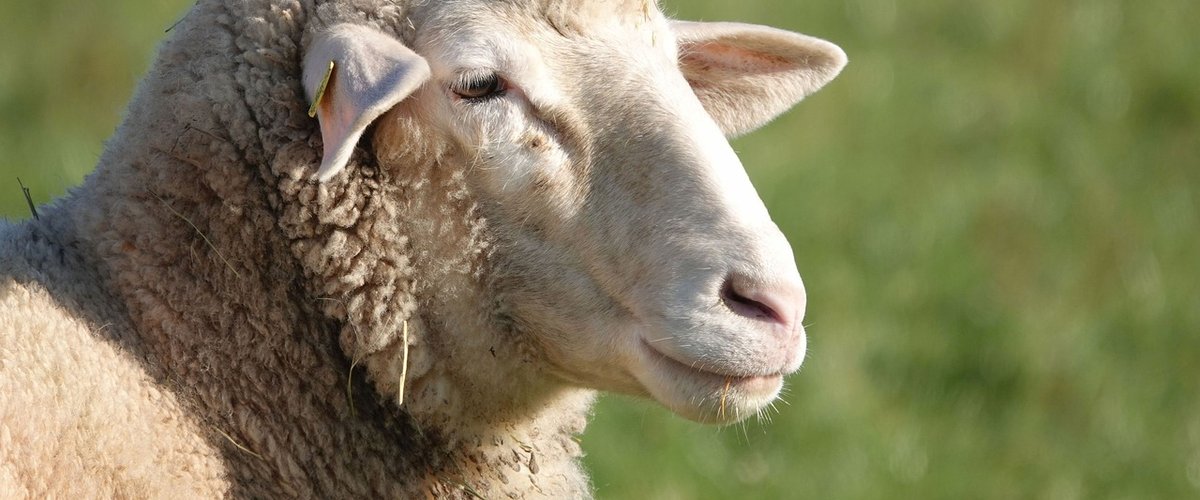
(478, 86)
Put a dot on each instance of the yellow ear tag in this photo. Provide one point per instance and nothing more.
(312, 110)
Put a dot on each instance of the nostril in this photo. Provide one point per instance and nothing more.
(778, 303)
(749, 307)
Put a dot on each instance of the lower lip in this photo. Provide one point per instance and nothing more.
(751, 384)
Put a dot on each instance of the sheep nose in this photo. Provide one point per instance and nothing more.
(779, 304)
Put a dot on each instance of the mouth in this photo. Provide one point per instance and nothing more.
(708, 395)
(703, 372)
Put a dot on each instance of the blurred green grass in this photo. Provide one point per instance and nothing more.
(994, 209)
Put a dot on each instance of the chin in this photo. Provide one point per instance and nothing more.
(693, 392)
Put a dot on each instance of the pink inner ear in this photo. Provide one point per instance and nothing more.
(709, 56)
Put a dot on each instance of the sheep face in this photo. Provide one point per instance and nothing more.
(629, 244)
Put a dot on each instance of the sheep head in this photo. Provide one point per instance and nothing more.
(626, 241)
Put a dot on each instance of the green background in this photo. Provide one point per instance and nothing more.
(995, 209)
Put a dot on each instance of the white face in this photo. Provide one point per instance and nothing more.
(630, 244)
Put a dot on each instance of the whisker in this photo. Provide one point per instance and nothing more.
(724, 394)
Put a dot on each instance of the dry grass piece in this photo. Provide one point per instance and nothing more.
(28, 199)
(238, 445)
(403, 365)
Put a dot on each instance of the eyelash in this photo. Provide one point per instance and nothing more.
(478, 86)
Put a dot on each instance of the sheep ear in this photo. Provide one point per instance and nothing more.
(746, 75)
(352, 75)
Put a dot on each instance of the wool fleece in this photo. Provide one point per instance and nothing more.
(198, 319)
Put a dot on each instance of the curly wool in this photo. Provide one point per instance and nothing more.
(189, 321)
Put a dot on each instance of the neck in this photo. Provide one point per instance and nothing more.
(511, 426)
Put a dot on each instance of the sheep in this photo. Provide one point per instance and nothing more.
(499, 209)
